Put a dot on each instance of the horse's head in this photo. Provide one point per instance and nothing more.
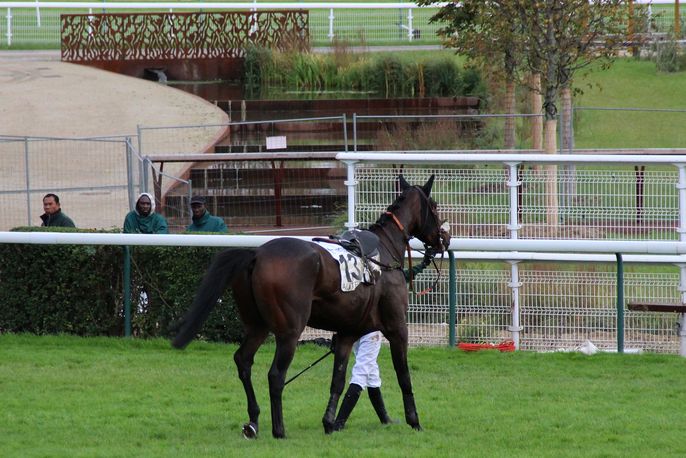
(426, 226)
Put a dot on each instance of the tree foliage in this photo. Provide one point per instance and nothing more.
(553, 38)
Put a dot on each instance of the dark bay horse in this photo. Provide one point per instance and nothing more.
(287, 284)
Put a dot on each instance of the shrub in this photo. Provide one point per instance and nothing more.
(442, 79)
(666, 55)
(78, 289)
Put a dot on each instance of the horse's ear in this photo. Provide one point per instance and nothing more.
(429, 184)
(403, 184)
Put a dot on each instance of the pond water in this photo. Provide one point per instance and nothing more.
(231, 90)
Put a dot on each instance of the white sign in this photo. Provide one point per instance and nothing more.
(276, 142)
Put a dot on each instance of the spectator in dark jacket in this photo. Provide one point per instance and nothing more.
(203, 221)
(53, 216)
(144, 220)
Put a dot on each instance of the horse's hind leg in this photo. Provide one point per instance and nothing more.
(285, 350)
(244, 358)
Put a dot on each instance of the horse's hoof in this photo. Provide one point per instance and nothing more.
(390, 421)
(250, 431)
(328, 428)
(417, 427)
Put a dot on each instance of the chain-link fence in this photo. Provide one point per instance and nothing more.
(90, 176)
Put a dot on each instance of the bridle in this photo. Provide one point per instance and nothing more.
(430, 250)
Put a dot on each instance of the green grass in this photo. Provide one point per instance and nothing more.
(631, 83)
(69, 396)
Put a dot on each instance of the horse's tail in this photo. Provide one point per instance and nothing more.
(222, 270)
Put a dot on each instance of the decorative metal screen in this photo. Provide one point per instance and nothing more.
(144, 36)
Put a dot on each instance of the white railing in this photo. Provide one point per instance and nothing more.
(390, 22)
(491, 301)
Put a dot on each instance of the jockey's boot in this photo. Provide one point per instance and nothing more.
(347, 406)
(378, 404)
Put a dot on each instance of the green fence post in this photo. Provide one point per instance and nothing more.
(620, 303)
(127, 291)
(452, 299)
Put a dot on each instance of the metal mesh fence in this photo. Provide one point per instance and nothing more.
(264, 193)
(562, 306)
(594, 203)
(89, 175)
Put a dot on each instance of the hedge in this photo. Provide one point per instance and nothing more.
(78, 289)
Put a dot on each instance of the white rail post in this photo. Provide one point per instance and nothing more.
(9, 27)
(27, 180)
(515, 284)
(351, 183)
(410, 31)
(681, 322)
(38, 13)
(513, 184)
(681, 186)
(331, 18)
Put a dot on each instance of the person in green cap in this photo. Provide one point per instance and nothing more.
(53, 216)
(203, 221)
(144, 220)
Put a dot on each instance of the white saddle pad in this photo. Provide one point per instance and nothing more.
(353, 270)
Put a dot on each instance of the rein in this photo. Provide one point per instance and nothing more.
(321, 358)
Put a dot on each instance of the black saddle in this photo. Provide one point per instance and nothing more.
(362, 243)
(367, 243)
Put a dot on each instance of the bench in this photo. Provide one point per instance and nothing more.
(656, 307)
(672, 307)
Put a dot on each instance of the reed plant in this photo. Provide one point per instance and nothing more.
(385, 75)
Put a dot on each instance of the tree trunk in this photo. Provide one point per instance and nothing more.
(551, 203)
(569, 184)
(677, 21)
(536, 103)
(510, 101)
(567, 134)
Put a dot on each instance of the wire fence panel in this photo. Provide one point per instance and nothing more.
(617, 202)
(89, 176)
(15, 194)
(267, 195)
(483, 305)
(593, 203)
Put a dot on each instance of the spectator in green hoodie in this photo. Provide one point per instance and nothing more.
(53, 216)
(144, 220)
(203, 221)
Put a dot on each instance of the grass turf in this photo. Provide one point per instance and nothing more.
(70, 396)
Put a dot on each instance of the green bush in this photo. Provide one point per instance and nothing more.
(442, 79)
(666, 55)
(78, 289)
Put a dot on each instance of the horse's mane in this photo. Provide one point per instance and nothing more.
(385, 217)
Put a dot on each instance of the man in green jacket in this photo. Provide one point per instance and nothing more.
(203, 221)
(144, 220)
(53, 216)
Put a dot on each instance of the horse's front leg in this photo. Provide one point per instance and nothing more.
(398, 344)
(342, 348)
(244, 358)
